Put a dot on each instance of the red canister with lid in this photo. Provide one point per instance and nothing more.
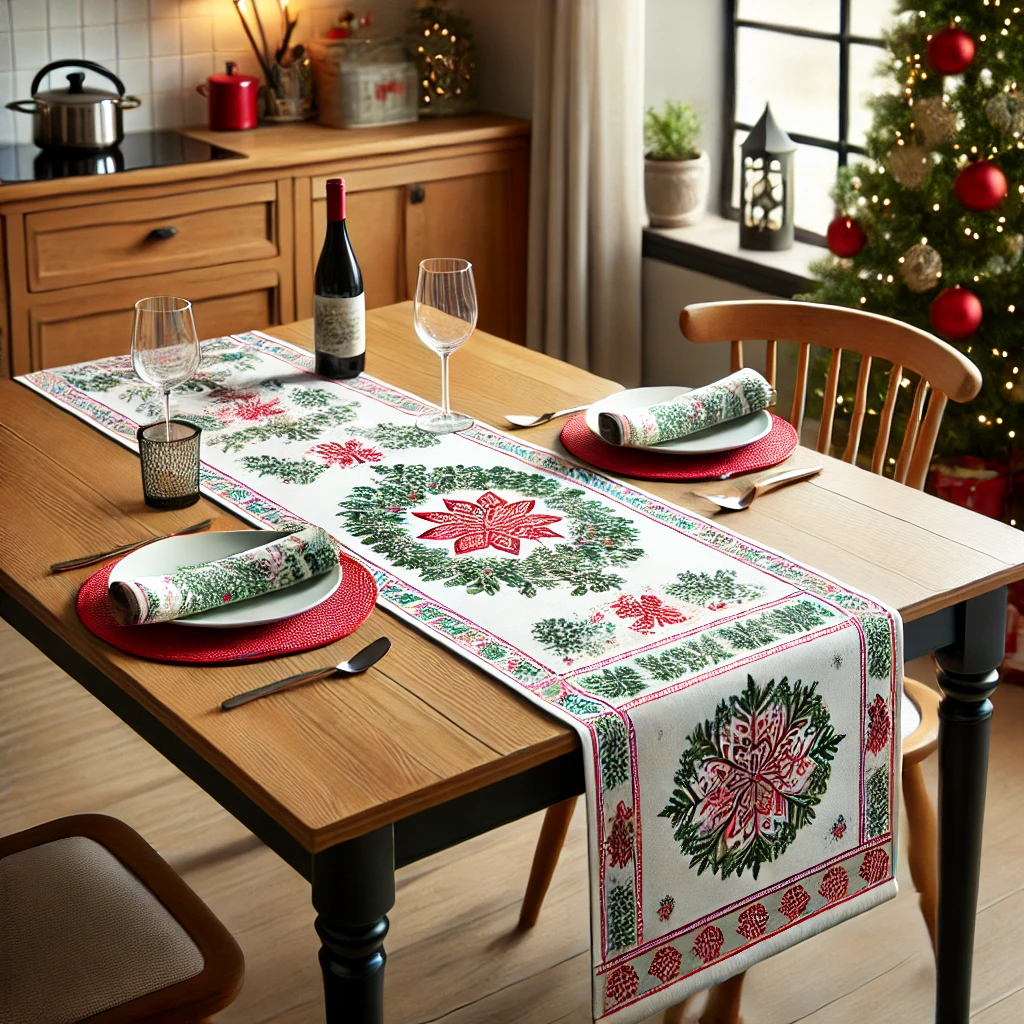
(232, 99)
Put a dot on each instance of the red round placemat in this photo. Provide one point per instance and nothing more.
(342, 613)
(775, 447)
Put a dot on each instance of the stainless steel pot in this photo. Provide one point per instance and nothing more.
(76, 117)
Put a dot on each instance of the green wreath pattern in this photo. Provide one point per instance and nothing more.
(596, 540)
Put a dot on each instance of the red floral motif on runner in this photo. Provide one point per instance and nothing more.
(665, 908)
(879, 725)
(875, 866)
(834, 884)
(765, 764)
(489, 522)
(666, 964)
(794, 902)
(752, 922)
(649, 612)
(708, 944)
(351, 453)
(623, 983)
(250, 408)
(620, 839)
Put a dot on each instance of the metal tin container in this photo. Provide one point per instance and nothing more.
(76, 117)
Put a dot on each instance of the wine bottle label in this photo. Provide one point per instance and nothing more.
(339, 326)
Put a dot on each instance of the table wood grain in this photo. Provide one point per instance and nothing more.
(338, 759)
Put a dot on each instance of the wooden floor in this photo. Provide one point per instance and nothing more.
(453, 954)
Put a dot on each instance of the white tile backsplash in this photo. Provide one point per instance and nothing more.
(162, 49)
(100, 42)
(65, 43)
(98, 12)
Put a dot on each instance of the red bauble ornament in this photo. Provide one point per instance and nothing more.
(955, 313)
(980, 186)
(845, 237)
(950, 51)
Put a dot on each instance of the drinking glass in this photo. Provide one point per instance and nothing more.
(444, 314)
(165, 349)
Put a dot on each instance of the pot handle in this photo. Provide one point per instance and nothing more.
(27, 106)
(87, 64)
(129, 102)
(203, 90)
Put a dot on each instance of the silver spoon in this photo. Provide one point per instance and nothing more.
(536, 421)
(736, 503)
(359, 662)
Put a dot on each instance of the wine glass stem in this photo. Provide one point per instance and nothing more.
(445, 407)
(167, 413)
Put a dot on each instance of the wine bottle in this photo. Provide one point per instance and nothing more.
(339, 305)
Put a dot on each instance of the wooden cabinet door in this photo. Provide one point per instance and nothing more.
(100, 324)
(468, 217)
(376, 230)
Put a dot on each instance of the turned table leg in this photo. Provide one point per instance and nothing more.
(353, 889)
(967, 676)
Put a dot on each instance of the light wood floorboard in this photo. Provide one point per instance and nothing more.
(454, 954)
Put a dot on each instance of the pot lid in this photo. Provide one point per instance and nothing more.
(232, 76)
(76, 94)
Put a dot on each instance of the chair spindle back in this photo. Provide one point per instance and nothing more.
(944, 372)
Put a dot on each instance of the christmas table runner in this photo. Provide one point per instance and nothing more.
(738, 712)
(301, 555)
(742, 392)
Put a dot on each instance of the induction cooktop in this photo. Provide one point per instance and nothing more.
(139, 149)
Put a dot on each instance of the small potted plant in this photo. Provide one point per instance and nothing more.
(675, 168)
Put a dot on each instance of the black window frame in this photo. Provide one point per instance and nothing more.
(844, 38)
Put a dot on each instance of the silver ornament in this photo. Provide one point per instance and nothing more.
(921, 268)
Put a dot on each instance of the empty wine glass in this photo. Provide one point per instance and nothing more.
(165, 349)
(444, 314)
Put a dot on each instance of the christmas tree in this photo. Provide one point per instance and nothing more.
(930, 227)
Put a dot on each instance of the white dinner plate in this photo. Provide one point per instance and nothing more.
(721, 438)
(165, 556)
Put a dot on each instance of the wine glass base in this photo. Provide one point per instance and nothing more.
(440, 423)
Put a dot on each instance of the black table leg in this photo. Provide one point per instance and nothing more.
(967, 675)
(353, 889)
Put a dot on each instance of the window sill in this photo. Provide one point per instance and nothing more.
(712, 247)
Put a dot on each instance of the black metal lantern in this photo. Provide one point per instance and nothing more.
(766, 182)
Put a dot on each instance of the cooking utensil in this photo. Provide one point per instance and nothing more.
(232, 99)
(80, 563)
(722, 437)
(360, 662)
(77, 117)
(736, 503)
(535, 421)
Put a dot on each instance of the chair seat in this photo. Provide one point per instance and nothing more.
(80, 927)
(97, 926)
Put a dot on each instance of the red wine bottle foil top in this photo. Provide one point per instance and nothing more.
(335, 198)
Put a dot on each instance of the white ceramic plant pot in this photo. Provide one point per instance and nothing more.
(676, 191)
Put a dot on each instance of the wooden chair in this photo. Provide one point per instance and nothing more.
(97, 926)
(944, 374)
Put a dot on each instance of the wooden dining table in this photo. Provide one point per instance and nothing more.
(349, 781)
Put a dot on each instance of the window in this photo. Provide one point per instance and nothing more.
(815, 62)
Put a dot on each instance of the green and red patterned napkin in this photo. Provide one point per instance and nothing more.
(198, 588)
(737, 395)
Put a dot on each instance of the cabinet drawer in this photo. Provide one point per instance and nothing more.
(108, 241)
(63, 334)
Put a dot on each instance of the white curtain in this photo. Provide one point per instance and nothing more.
(586, 186)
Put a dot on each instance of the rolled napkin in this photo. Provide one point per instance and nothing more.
(742, 392)
(191, 589)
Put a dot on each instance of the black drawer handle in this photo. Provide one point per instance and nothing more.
(159, 234)
(417, 194)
